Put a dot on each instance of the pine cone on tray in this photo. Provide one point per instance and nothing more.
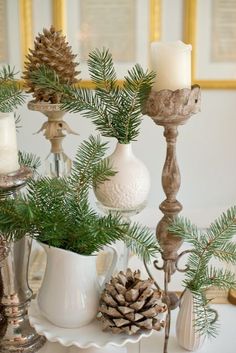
(51, 50)
(129, 304)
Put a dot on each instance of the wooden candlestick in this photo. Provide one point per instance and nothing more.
(171, 109)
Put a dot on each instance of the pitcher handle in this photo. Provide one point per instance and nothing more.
(111, 267)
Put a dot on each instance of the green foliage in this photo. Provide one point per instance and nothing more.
(7, 73)
(11, 95)
(29, 160)
(116, 111)
(206, 320)
(216, 242)
(57, 211)
(17, 121)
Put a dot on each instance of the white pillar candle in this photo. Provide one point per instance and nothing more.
(172, 64)
(8, 144)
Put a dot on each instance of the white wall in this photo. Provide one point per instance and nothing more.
(206, 145)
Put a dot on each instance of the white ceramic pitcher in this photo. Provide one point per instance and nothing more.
(69, 295)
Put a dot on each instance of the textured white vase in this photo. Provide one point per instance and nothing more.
(186, 334)
(129, 187)
(70, 292)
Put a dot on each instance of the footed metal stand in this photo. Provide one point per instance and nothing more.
(85, 339)
(16, 334)
(170, 109)
(108, 349)
(57, 348)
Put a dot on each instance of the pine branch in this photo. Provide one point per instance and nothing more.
(137, 86)
(223, 229)
(7, 74)
(115, 112)
(29, 160)
(17, 122)
(220, 278)
(76, 99)
(11, 95)
(102, 71)
(140, 240)
(205, 323)
(215, 243)
(103, 75)
(226, 252)
(186, 230)
(46, 78)
(57, 212)
(14, 219)
(89, 168)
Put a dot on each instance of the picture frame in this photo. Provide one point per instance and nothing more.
(3, 31)
(65, 18)
(211, 67)
(13, 44)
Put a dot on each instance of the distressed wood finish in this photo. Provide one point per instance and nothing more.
(170, 207)
(171, 109)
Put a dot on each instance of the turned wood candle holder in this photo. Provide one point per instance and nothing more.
(170, 109)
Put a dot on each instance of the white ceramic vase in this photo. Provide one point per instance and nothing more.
(186, 333)
(129, 187)
(69, 295)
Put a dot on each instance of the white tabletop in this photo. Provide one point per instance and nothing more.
(224, 343)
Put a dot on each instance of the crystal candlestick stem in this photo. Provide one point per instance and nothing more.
(16, 334)
(58, 164)
(171, 109)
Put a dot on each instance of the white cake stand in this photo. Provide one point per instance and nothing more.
(89, 337)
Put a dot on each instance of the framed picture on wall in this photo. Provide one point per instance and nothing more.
(15, 32)
(20, 22)
(3, 32)
(125, 27)
(210, 26)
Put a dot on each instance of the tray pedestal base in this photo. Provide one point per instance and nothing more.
(57, 348)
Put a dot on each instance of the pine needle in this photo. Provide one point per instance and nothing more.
(11, 95)
(116, 112)
(217, 243)
(57, 211)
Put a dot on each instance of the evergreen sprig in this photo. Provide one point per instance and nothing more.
(11, 95)
(215, 242)
(29, 160)
(57, 211)
(116, 111)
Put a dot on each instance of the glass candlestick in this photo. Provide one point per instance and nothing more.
(57, 163)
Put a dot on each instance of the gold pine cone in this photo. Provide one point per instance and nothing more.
(129, 304)
(52, 50)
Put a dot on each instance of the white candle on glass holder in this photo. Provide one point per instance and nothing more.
(8, 144)
(172, 63)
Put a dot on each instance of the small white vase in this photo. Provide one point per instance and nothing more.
(186, 333)
(69, 295)
(129, 187)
